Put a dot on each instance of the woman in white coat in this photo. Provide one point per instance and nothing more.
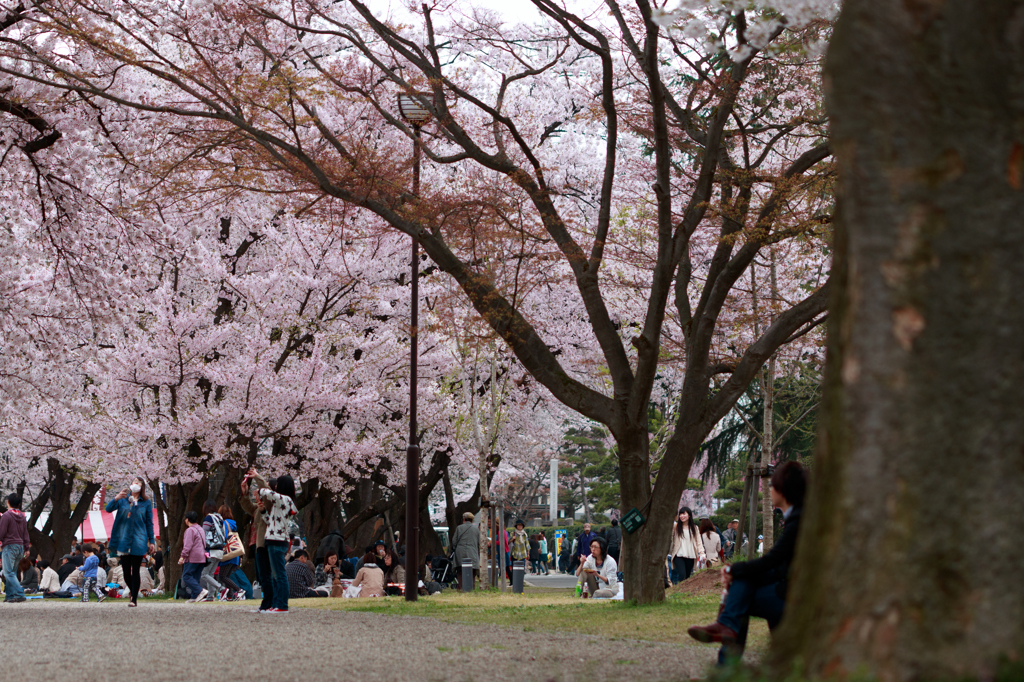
(686, 548)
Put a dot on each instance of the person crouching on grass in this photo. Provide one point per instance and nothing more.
(599, 571)
(758, 587)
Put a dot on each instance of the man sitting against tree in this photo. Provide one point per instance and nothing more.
(758, 587)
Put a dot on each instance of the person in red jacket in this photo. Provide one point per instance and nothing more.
(15, 542)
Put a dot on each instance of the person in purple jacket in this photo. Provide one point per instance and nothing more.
(193, 557)
(14, 538)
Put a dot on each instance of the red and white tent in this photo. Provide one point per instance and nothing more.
(98, 524)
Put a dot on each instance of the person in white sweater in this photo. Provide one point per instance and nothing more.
(599, 571)
(50, 581)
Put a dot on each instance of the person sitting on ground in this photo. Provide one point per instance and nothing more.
(65, 568)
(49, 582)
(301, 577)
(327, 573)
(116, 574)
(28, 575)
(146, 585)
(758, 587)
(332, 542)
(73, 583)
(160, 580)
(599, 571)
(370, 577)
(394, 568)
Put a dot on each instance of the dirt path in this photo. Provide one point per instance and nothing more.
(56, 640)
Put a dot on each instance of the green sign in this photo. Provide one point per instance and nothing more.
(633, 520)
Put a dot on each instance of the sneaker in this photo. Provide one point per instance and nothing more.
(239, 596)
(208, 597)
(102, 597)
(276, 610)
(202, 595)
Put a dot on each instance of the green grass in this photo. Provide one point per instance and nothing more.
(555, 611)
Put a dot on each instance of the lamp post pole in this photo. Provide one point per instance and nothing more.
(412, 455)
(412, 110)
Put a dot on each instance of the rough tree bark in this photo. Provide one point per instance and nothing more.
(55, 539)
(909, 563)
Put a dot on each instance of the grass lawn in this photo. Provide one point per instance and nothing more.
(556, 610)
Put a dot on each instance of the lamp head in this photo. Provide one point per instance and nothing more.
(410, 105)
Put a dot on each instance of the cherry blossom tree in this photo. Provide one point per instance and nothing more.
(624, 174)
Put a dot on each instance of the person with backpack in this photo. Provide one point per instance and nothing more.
(213, 529)
(132, 535)
(278, 509)
(226, 568)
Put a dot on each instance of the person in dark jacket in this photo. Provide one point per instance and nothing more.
(66, 568)
(758, 588)
(132, 535)
(332, 542)
(614, 538)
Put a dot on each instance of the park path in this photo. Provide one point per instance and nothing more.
(155, 642)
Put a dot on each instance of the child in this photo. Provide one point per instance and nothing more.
(88, 570)
(193, 557)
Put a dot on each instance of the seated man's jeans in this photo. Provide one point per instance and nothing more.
(746, 599)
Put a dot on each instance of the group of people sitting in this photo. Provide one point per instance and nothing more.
(379, 572)
(86, 569)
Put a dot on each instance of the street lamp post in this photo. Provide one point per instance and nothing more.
(413, 111)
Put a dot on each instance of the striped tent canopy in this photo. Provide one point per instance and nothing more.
(97, 526)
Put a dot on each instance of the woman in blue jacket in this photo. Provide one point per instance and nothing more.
(132, 534)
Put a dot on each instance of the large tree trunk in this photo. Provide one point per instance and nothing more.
(180, 498)
(909, 562)
(55, 539)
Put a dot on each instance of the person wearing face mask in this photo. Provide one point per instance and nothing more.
(132, 535)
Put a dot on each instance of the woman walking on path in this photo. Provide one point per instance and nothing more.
(132, 536)
(193, 557)
(278, 509)
(542, 549)
(534, 555)
(231, 589)
(686, 546)
(712, 543)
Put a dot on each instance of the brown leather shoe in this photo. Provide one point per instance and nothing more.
(716, 632)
